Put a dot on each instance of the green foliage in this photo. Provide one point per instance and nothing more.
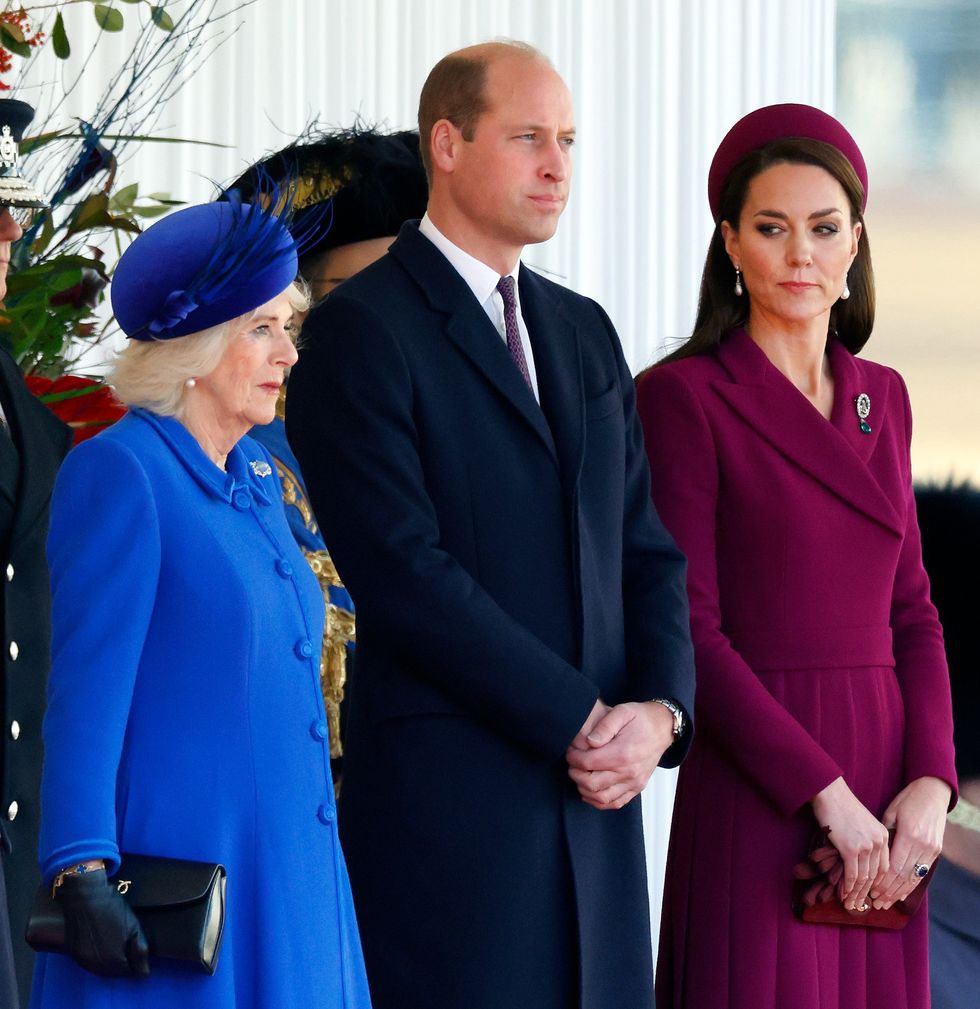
(59, 38)
(108, 18)
(51, 303)
(12, 38)
(35, 323)
(58, 275)
(161, 18)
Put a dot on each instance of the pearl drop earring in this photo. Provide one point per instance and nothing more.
(190, 383)
(738, 283)
(846, 293)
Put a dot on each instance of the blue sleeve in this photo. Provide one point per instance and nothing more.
(104, 559)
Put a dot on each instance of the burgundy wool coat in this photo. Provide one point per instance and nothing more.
(818, 654)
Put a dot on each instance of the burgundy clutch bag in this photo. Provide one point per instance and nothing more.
(816, 897)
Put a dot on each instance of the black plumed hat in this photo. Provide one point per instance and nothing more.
(949, 519)
(374, 182)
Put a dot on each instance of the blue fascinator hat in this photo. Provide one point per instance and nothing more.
(200, 267)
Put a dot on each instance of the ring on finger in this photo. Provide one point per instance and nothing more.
(920, 870)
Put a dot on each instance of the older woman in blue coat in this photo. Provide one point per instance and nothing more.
(185, 717)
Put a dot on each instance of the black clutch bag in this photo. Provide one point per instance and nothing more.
(180, 906)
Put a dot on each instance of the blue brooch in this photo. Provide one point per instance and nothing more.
(261, 468)
(862, 404)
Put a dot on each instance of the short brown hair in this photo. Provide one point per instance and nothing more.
(456, 90)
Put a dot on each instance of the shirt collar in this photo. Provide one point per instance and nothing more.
(480, 278)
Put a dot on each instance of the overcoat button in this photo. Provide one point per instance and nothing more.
(326, 814)
(14, 650)
(241, 500)
(12, 810)
(304, 649)
(15, 729)
(318, 730)
(283, 568)
(10, 572)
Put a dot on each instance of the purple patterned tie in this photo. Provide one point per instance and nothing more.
(506, 288)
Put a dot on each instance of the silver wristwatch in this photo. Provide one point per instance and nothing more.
(675, 709)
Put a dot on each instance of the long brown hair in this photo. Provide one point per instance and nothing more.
(720, 309)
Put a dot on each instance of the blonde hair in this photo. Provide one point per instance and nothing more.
(152, 374)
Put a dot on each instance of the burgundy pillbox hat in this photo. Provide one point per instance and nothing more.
(779, 122)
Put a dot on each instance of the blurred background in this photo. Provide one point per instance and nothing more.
(908, 86)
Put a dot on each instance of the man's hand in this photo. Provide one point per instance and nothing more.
(599, 711)
(611, 759)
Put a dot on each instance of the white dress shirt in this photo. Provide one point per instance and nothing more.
(482, 281)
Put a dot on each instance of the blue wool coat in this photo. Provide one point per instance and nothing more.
(185, 716)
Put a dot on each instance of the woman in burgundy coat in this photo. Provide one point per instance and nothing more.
(780, 464)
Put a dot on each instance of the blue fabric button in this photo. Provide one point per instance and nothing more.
(283, 568)
(242, 500)
(318, 730)
(303, 649)
(326, 814)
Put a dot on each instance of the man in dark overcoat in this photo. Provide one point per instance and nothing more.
(32, 444)
(469, 441)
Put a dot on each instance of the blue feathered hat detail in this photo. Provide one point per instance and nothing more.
(204, 265)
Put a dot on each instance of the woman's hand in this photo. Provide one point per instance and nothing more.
(102, 933)
(859, 837)
(918, 816)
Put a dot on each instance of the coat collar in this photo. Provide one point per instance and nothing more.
(467, 325)
(43, 441)
(248, 467)
(835, 452)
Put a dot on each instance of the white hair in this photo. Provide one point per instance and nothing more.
(153, 373)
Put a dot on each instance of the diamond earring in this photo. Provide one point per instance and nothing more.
(738, 283)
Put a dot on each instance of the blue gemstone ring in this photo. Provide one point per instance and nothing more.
(920, 871)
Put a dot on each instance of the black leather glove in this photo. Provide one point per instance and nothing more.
(101, 931)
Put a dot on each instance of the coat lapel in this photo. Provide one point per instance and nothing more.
(850, 381)
(467, 325)
(558, 362)
(42, 439)
(835, 452)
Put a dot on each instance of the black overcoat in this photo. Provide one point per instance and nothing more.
(508, 568)
(38, 443)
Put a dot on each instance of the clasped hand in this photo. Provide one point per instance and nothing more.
(616, 751)
(873, 872)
